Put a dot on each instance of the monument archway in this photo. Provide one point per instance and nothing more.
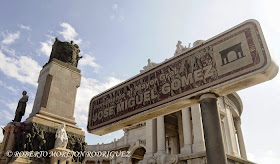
(137, 155)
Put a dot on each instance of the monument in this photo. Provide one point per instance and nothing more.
(53, 109)
(195, 78)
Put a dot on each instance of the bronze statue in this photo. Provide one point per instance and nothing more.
(21, 107)
(65, 52)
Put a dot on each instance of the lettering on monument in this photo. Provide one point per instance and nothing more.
(230, 56)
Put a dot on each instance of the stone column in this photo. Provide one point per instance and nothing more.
(174, 145)
(160, 136)
(230, 130)
(187, 131)
(215, 151)
(125, 136)
(151, 137)
(242, 149)
(198, 135)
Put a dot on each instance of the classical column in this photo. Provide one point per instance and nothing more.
(180, 130)
(242, 149)
(230, 130)
(198, 135)
(160, 136)
(187, 131)
(215, 151)
(151, 137)
(174, 145)
(125, 136)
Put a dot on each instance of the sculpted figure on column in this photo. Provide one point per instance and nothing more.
(21, 107)
(65, 52)
(61, 137)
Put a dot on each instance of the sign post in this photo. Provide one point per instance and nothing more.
(233, 60)
(214, 143)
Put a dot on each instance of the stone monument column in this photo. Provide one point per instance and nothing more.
(215, 150)
(151, 137)
(160, 136)
(56, 93)
(237, 122)
(54, 105)
(198, 135)
(232, 144)
(187, 131)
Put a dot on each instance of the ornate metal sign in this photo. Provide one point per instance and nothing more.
(231, 61)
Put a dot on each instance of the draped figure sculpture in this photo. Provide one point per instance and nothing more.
(61, 137)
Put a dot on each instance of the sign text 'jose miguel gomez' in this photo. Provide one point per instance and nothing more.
(235, 59)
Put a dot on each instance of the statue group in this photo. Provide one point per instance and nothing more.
(65, 52)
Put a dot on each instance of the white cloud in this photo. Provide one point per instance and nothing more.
(8, 115)
(46, 47)
(11, 105)
(23, 68)
(8, 87)
(89, 88)
(69, 33)
(88, 60)
(25, 27)
(8, 50)
(10, 38)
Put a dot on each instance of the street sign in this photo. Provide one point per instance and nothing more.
(233, 60)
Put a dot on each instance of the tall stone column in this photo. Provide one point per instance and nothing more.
(198, 135)
(242, 149)
(174, 145)
(160, 136)
(56, 96)
(230, 130)
(187, 131)
(215, 151)
(151, 138)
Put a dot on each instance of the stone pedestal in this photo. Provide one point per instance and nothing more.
(55, 98)
(8, 140)
(61, 156)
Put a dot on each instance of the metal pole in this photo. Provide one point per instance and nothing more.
(215, 151)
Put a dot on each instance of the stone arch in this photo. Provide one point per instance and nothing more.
(137, 151)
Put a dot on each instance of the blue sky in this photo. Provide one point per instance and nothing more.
(116, 39)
